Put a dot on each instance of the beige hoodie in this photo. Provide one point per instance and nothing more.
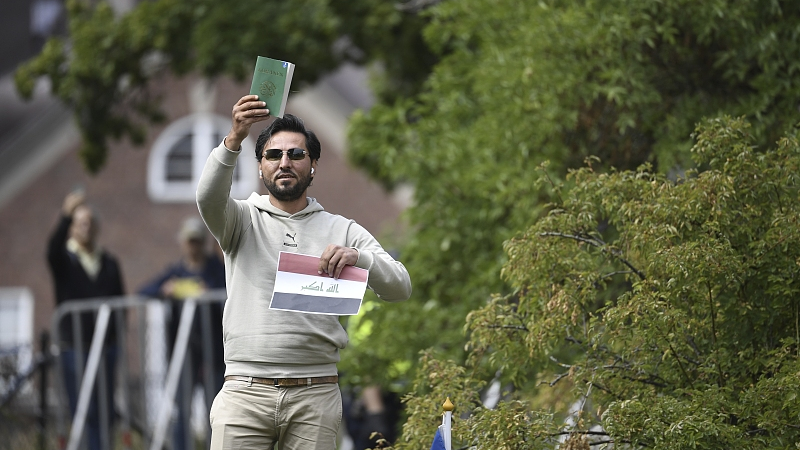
(258, 341)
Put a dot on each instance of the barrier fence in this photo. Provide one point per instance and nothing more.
(153, 378)
(148, 375)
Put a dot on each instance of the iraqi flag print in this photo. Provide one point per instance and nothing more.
(298, 287)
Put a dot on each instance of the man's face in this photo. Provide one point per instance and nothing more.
(84, 228)
(286, 179)
(193, 248)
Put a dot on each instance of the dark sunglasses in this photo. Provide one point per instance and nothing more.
(274, 154)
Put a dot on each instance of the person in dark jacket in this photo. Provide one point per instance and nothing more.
(197, 271)
(81, 270)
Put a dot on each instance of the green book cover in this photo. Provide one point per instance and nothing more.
(271, 81)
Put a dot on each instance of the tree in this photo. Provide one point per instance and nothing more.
(519, 83)
(671, 307)
(103, 68)
(473, 96)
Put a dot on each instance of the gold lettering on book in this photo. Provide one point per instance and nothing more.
(268, 89)
(271, 72)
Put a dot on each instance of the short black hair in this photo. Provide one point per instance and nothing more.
(294, 124)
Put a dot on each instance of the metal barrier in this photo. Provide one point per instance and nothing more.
(20, 383)
(134, 386)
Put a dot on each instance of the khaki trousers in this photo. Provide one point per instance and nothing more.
(262, 417)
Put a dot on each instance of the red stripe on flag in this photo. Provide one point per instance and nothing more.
(309, 265)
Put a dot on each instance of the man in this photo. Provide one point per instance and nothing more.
(280, 378)
(197, 271)
(81, 270)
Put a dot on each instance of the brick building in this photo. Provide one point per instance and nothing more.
(143, 193)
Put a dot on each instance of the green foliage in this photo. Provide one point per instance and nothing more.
(103, 70)
(437, 380)
(697, 345)
(519, 83)
(663, 299)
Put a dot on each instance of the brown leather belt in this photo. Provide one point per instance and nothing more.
(285, 382)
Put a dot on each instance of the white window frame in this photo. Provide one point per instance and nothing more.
(202, 126)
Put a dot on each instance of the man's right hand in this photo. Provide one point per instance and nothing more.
(247, 111)
(71, 202)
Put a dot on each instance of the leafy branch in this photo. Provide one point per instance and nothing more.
(598, 243)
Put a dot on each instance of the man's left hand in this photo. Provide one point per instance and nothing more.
(334, 258)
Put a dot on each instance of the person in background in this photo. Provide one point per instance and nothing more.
(197, 271)
(371, 414)
(82, 269)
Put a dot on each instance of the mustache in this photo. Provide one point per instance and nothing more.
(284, 173)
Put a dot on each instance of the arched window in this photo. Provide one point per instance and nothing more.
(180, 152)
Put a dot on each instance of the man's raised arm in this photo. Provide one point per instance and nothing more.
(213, 190)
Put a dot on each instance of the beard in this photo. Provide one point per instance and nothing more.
(289, 193)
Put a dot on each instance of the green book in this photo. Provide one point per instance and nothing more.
(271, 81)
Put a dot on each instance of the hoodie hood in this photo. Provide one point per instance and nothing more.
(262, 202)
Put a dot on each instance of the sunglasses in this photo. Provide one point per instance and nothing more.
(274, 154)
